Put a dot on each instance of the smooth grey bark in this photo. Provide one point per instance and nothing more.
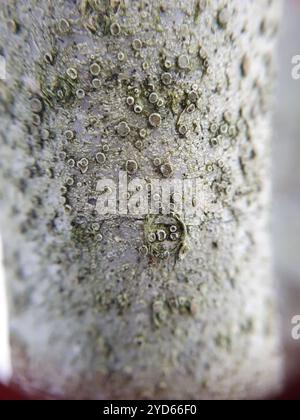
(160, 89)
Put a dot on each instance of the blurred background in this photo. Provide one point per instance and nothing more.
(286, 206)
(286, 182)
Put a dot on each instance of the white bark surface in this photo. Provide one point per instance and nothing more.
(5, 362)
(90, 316)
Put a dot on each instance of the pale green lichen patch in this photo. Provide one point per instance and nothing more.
(164, 309)
(165, 236)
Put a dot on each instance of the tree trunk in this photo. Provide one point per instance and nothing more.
(123, 305)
